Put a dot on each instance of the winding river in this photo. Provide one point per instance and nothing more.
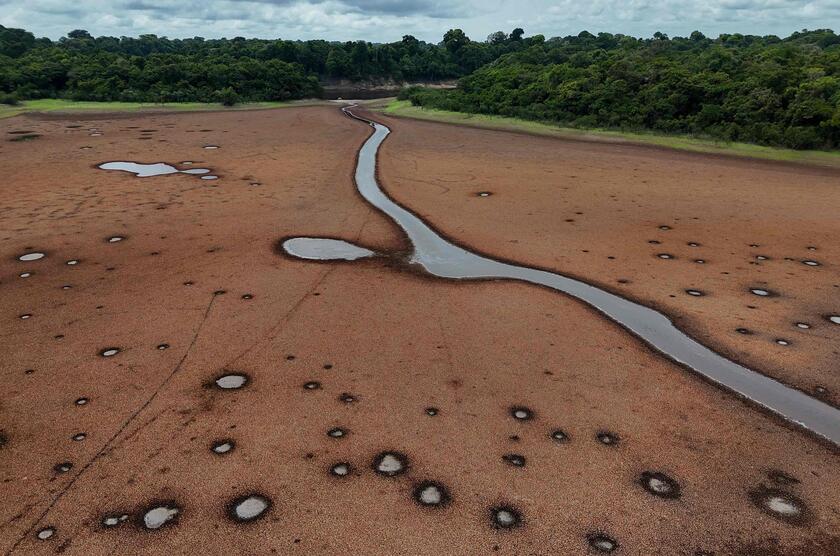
(441, 258)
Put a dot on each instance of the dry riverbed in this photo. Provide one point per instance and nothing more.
(187, 389)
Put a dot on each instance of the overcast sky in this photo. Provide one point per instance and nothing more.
(387, 20)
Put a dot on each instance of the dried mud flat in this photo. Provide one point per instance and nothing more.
(194, 391)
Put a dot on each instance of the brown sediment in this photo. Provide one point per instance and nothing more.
(398, 341)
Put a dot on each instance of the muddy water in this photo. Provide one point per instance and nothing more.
(443, 259)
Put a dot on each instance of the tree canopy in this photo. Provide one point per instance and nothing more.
(767, 90)
(763, 90)
(151, 68)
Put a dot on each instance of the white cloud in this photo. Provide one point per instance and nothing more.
(388, 20)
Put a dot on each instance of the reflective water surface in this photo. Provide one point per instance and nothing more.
(150, 170)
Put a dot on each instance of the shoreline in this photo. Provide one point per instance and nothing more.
(683, 143)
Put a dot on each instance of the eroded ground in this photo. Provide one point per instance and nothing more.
(346, 361)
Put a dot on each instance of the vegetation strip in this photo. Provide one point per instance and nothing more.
(404, 109)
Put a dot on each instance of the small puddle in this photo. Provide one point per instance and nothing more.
(390, 464)
(780, 504)
(150, 170)
(607, 438)
(324, 249)
(114, 520)
(157, 517)
(505, 517)
(515, 460)
(231, 381)
(444, 259)
(559, 436)
(63, 467)
(431, 493)
(602, 543)
(337, 432)
(249, 508)
(521, 413)
(33, 256)
(660, 484)
(341, 469)
(222, 446)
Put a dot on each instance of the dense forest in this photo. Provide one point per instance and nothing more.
(766, 90)
(156, 69)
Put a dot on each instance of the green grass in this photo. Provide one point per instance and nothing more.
(58, 105)
(403, 108)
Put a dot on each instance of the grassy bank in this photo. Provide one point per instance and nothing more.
(57, 105)
(681, 142)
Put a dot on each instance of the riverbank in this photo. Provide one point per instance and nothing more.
(71, 106)
(404, 109)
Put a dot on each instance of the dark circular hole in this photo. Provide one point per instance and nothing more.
(63, 467)
(659, 484)
(521, 413)
(559, 435)
(341, 469)
(607, 438)
(602, 543)
(390, 463)
(337, 432)
(505, 517)
(431, 494)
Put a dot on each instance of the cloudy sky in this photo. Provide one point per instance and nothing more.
(388, 20)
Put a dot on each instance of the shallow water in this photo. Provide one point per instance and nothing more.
(150, 170)
(157, 517)
(231, 381)
(250, 508)
(33, 256)
(314, 248)
(441, 258)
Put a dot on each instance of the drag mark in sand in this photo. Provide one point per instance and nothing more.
(153, 513)
(444, 259)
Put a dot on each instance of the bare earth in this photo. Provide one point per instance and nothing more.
(197, 290)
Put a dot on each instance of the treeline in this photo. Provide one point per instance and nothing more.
(766, 90)
(156, 69)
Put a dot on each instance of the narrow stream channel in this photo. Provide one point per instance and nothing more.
(445, 260)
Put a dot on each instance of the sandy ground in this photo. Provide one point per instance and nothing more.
(197, 275)
(596, 211)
